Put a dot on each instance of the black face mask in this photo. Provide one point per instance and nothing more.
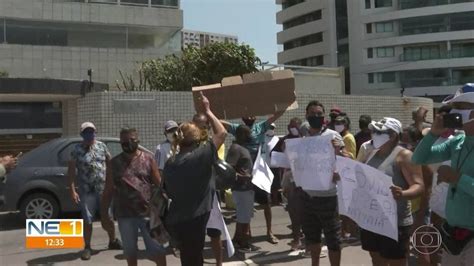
(130, 147)
(315, 122)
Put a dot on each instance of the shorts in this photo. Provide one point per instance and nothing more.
(320, 215)
(261, 196)
(243, 205)
(129, 227)
(90, 206)
(385, 246)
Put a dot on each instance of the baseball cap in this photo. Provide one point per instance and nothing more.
(87, 125)
(464, 94)
(385, 124)
(170, 125)
(272, 125)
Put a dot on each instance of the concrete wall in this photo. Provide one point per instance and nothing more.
(152, 109)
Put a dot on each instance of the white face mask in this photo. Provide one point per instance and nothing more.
(294, 131)
(270, 133)
(379, 139)
(464, 113)
(170, 137)
(339, 128)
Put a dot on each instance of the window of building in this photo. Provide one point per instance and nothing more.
(367, 4)
(462, 49)
(313, 16)
(368, 27)
(370, 52)
(421, 53)
(371, 77)
(310, 61)
(289, 3)
(2, 33)
(23, 32)
(306, 40)
(383, 3)
(386, 77)
(385, 52)
(384, 27)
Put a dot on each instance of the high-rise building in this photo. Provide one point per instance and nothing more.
(201, 38)
(314, 33)
(419, 48)
(425, 48)
(65, 38)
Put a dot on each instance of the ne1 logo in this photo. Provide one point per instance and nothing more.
(54, 233)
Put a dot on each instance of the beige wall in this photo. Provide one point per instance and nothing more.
(99, 108)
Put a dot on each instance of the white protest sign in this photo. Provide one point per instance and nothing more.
(262, 176)
(279, 160)
(438, 198)
(267, 148)
(216, 221)
(312, 162)
(364, 196)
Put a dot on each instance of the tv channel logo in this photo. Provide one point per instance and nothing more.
(54, 233)
(426, 239)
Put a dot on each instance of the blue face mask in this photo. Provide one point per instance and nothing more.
(88, 136)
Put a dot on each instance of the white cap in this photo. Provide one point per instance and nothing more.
(385, 124)
(464, 94)
(87, 125)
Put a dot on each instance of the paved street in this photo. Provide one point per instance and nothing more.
(13, 252)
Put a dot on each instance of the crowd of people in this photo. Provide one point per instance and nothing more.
(417, 157)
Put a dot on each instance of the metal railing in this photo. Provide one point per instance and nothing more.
(408, 4)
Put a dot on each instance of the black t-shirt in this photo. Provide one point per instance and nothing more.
(189, 184)
(239, 157)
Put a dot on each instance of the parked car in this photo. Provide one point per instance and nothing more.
(39, 186)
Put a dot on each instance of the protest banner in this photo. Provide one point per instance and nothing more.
(438, 198)
(364, 196)
(312, 162)
(279, 160)
(256, 94)
(262, 175)
(216, 221)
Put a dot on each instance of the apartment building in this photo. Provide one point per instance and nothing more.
(201, 38)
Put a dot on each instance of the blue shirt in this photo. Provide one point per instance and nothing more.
(91, 166)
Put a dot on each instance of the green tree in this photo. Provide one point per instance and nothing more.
(194, 67)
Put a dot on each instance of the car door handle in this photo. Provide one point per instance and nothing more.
(60, 175)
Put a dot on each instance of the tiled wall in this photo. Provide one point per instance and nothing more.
(99, 108)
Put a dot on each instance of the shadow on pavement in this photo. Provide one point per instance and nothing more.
(51, 260)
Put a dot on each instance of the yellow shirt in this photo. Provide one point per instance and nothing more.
(350, 144)
(221, 152)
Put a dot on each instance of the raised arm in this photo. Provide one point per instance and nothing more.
(413, 176)
(219, 132)
(274, 117)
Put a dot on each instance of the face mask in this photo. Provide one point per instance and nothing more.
(88, 136)
(465, 115)
(379, 139)
(130, 146)
(270, 133)
(316, 122)
(170, 137)
(294, 131)
(339, 128)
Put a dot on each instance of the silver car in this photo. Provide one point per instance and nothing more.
(39, 187)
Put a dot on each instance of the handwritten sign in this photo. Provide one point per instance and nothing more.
(438, 199)
(262, 175)
(364, 196)
(312, 162)
(279, 160)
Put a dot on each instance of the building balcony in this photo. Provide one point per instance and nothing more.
(409, 4)
(443, 55)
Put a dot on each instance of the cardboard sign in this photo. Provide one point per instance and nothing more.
(364, 196)
(255, 94)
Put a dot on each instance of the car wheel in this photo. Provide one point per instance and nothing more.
(39, 206)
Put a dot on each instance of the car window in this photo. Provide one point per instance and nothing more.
(114, 148)
(64, 154)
